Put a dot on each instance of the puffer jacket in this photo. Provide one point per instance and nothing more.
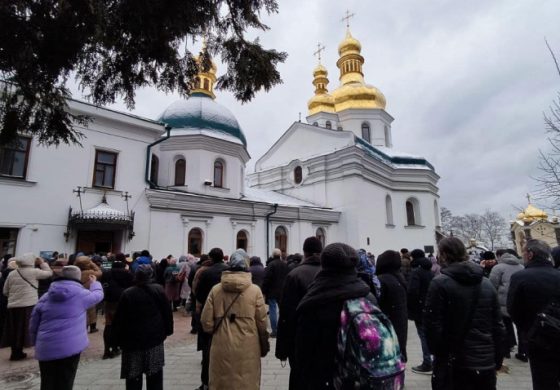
(57, 325)
(500, 277)
(235, 356)
(450, 298)
(20, 293)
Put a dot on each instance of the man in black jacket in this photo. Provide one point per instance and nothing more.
(208, 279)
(274, 276)
(295, 287)
(463, 323)
(530, 291)
(418, 283)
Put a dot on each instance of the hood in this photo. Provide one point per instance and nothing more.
(26, 260)
(236, 281)
(144, 260)
(508, 258)
(421, 262)
(64, 290)
(464, 272)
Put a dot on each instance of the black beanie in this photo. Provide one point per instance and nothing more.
(488, 255)
(312, 245)
(417, 254)
(339, 256)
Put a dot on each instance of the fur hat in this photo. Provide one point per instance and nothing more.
(339, 256)
(312, 245)
(72, 272)
(239, 261)
(417, 254)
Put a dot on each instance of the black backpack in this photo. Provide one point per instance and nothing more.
(544, 334)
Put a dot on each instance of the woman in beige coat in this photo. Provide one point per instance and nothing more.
(235, 354)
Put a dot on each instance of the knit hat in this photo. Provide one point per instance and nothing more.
(488, 255)
(72, 272)
(144, 273)
(312, 245)
(339, 256)
(417, 254)
(255, 260)
(239, 261)
(26, 260)
(182, 259)
(388, 262)
(120, 257)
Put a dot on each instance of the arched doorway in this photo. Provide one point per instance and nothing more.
(242, 241)
(320, 234)
(195, 242)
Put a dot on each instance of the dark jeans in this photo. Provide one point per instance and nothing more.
(59, 374)
(273, 314)
(522, 347)
(153, 382)
(426, 356)
(510, 340)
(446, 378)
(545, 370)
(207, 341)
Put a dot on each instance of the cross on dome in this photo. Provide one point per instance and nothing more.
(319, 50)
(347, 18)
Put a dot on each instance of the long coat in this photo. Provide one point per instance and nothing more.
(235, 354)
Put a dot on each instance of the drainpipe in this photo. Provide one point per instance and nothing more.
(268, 230)
(148, 155)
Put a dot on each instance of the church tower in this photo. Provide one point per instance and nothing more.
(353, 106)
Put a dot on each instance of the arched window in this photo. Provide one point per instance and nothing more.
(206, 84)
(339, 128)
(154, 169)
(320, 234)
(218, 174)
(242, 240)
(412, 212)
(195, 242)
(298, 175)
(389, 210)
(328, 125)
(387, 138)
(180, 171)
(281, 239)
(366, 134)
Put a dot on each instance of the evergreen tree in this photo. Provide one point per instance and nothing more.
(115, 46)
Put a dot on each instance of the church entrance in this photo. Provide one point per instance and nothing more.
(281, 240)
(98, 241)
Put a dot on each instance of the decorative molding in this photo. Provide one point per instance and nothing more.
(16, 181)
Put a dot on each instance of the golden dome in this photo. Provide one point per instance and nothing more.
(349, 45)
(531, 214)
(322, 101)
(205, 80)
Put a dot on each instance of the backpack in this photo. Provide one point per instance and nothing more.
(545, 331)
(368, 353)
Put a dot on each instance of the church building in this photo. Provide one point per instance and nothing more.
(179, 184)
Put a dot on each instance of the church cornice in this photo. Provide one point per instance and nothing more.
(204, 142)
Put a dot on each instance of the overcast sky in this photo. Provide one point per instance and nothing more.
(467, 83)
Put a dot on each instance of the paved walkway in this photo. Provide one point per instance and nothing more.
(182, 369)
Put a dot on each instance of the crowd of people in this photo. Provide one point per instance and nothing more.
(338, 316)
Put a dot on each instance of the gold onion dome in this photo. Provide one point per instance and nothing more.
(531, 214)
(204, 82)
(322, 101)
(353, 92)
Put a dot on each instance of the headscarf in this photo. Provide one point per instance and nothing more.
(239, 261)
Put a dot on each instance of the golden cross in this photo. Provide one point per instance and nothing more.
(347, 18)
(319, 50)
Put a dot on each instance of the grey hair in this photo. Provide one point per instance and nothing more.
(540, 249)
(276, 253)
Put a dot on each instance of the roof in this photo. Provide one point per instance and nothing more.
(399, 159)
(102, 213)
(272, 197)
(202, 112)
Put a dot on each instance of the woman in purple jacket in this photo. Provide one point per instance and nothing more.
(58, 327)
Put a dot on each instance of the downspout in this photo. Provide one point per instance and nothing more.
(268, 230)
(148, 155)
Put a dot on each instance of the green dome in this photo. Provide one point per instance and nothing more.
(201, 112)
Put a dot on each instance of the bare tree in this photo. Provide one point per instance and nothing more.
(493, 229)
(549, 160)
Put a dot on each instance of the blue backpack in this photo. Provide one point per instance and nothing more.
(368, 353)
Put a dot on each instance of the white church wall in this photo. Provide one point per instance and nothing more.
(377, 120)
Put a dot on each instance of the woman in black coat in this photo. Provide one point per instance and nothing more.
(142, 322)
(393, 294)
